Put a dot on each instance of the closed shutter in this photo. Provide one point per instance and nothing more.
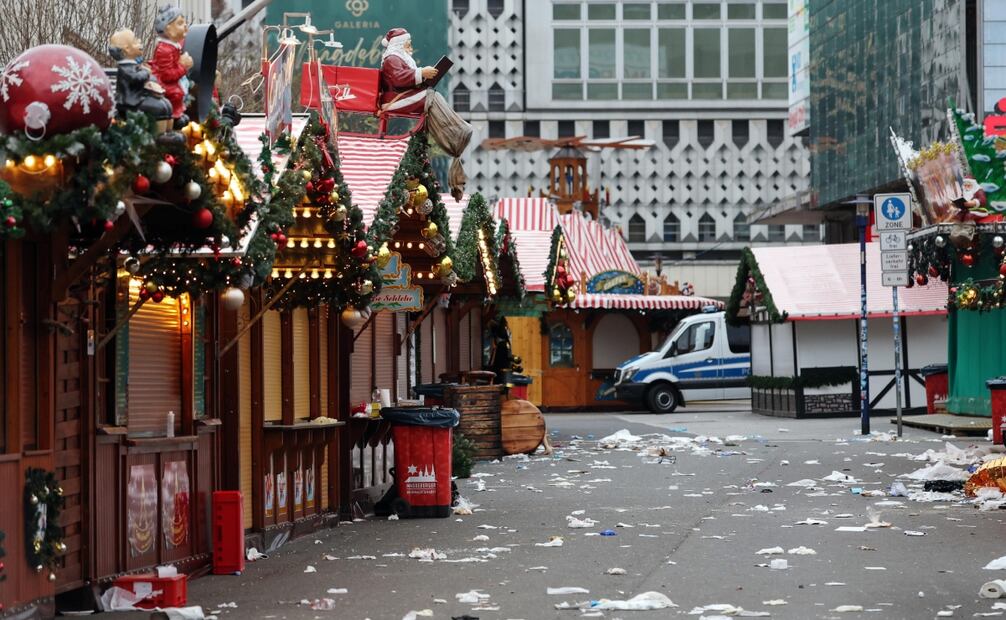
(301, 365)
(155, 367)
(272, 367)
(199, 360)
(475, 318)
(245, 416)
(440, 342)
(361, 383)
(426, 350)
(464, 342)
(323, 355)
(385, 350)
(402, 382)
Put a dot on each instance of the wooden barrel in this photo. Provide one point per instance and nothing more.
(479, 406)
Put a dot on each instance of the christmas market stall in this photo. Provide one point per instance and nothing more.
(804, 359)
(959, 189)
(593, 295)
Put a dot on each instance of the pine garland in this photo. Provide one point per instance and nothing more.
(88, 194)
(748, 268)
(43, 499)
(358, 277)
(505, 243)
(553, 259)
(466, 257)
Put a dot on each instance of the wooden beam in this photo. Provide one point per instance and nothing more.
(431, 303)
(261, 313)
(370, 319)
(122, 323)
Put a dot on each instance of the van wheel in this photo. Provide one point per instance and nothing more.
(662, 398)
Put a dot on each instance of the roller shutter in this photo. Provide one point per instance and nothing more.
(272, 367)
(301, 365)
(154, 386)
(361, 383)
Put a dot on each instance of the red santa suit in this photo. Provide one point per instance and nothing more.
(167, 66)
(402, 89)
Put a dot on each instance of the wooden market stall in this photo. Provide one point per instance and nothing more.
(592, 312)
(804, 358)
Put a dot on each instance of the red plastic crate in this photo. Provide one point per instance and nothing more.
(228, 533)
(167, 591)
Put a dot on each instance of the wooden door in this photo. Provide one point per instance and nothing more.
(70, 446)
(563, 382)
(525, 343)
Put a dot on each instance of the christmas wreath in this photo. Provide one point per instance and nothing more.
(43, 501)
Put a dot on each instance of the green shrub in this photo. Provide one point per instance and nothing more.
(463, 457)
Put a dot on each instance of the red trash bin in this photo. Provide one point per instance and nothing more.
(937, 385)
(423, 452)
(228, 533)
(519, 386)
(998, 388)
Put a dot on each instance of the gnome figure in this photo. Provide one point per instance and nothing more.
(402, 81)
(135, 88)
(170, 64)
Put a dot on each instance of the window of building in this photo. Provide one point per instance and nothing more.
(565, 12)
(774, 10)
(462, 98)
(742, 230)
(667, 11)
(601, 53)
(707, 133)
(532, 129)
(705, 10)
(460, 7)
(740, 131)
(601, 129)
(774, 60)
(601, 11)
(560, 346)
(637, 229)
(497, 129)
(497, 98)
(707, 228)
(671, 132)
(811, 232)
(566, 129)
(672, 228)
(776, 232)
(566, 53)
(741, 10)
(636, 10)
(637, 128)
(775, 132)
(495, 8)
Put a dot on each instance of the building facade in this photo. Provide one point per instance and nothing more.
(706, 81)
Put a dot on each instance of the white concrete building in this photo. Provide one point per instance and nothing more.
(705, 79)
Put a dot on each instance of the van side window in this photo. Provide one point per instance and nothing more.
(698, 337)
(739, 337)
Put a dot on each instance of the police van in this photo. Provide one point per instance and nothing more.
(704, 358)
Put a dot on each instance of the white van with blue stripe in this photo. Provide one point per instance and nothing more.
(702, 359)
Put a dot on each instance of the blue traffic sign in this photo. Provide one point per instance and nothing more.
(893, 212)
(893, 208)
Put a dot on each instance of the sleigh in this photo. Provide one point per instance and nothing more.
(354, 90)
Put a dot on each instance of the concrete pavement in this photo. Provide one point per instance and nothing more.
(690, 529)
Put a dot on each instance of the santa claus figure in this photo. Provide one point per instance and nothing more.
(403, 83)
(170, 64)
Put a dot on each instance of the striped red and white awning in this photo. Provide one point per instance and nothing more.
(532, 248)
(528, 213)
(247, 134)
(455, 213)
(642, 302)
(367, 164)
(594, 248)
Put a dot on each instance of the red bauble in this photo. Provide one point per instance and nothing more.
(108, 225)
(360, 249)
(10, 222)
(157, 296)
(921, 279)
(967, 259)
(934, 272)
(327, 185)
(281, 238)
(1002, 269)
(144, 293)
(274, 236)
(54, 89)
(203, 218)
(170, 160)
(141, 184)
(560, 271)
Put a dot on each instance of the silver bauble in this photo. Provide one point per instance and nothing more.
(193, 190)
(162, 172)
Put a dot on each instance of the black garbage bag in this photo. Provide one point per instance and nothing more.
(437, 417)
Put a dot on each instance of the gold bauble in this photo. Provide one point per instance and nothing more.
(334, 196)
(446, 264)
(383, 256)
(306, 174)
(557, 296)
(37, 545)
(570, 296)
(430, 230)
(338, 214)
(419, 196)
(412, 183)
(151, 286)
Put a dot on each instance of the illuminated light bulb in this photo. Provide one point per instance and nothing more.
(306, 213)
(10, 164)
(398, 244)
(185, 323)
(209, 148)
(331, 244)
(275, 273)
(409, 245)
(239, 194)
(432, 275)
(410, 212)
(290, 243)
(303, 243)
(317, 243)
(30, 161)
(288, 274)
(328, 274)
(50, 161)
(314, 274)
(303, 275)
(419, 275)
(422, 245)
(198, 149)
(214, 175)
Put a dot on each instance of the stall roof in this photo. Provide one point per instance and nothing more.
(531, 222)
(247, 135)
(368, 163)
(455, 213)
(643, 302)
(822, 282)
(594, 248)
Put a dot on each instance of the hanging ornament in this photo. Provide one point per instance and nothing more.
(940, 241)
(151, 286)
(560, 271)
(967, 259)
(921, 279)
(52, 576)
(232, 298)
(445, 267)
(162, 172)
(334, 197)
(193, 190)
(352, 317)
(430, 230)
(202, 218)
(306, 174)
(425, 207)
(120, 208)
(570, 296)
(10, 222)
(131, 265)
(934, 272)
(411, 183)
(557, 296)
(383, 256)
(366, 287)
(108, 225)
(360, 249)
(1002, 269)
(419, 196)
(998, 242)
(33, 499)
(338, 214)
(141, 184)
(157, 296)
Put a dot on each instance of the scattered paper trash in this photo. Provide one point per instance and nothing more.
(310, 569)
(646, 601)
(608, 533)
(254, 554)
(997, 564)
(615, 571)
(770, 551)
(471, 597)
(898, 489)
(575, 522)
(338, 591)
(914, 533)
(422, 613)
(993, 589)
(801, 550)
(426, 555)
(566, 590)
(779, 564)
(553, 541)
(845, 609)
(775, 601)
(320, 604)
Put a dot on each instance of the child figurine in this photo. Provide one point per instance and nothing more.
(135, 88)
(170, 63)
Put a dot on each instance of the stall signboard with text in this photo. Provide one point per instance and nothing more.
(397, 293)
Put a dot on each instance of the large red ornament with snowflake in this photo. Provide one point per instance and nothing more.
(54, 89)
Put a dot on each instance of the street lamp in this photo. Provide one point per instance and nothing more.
(862, 203)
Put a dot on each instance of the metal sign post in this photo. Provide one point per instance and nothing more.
(893, 213)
